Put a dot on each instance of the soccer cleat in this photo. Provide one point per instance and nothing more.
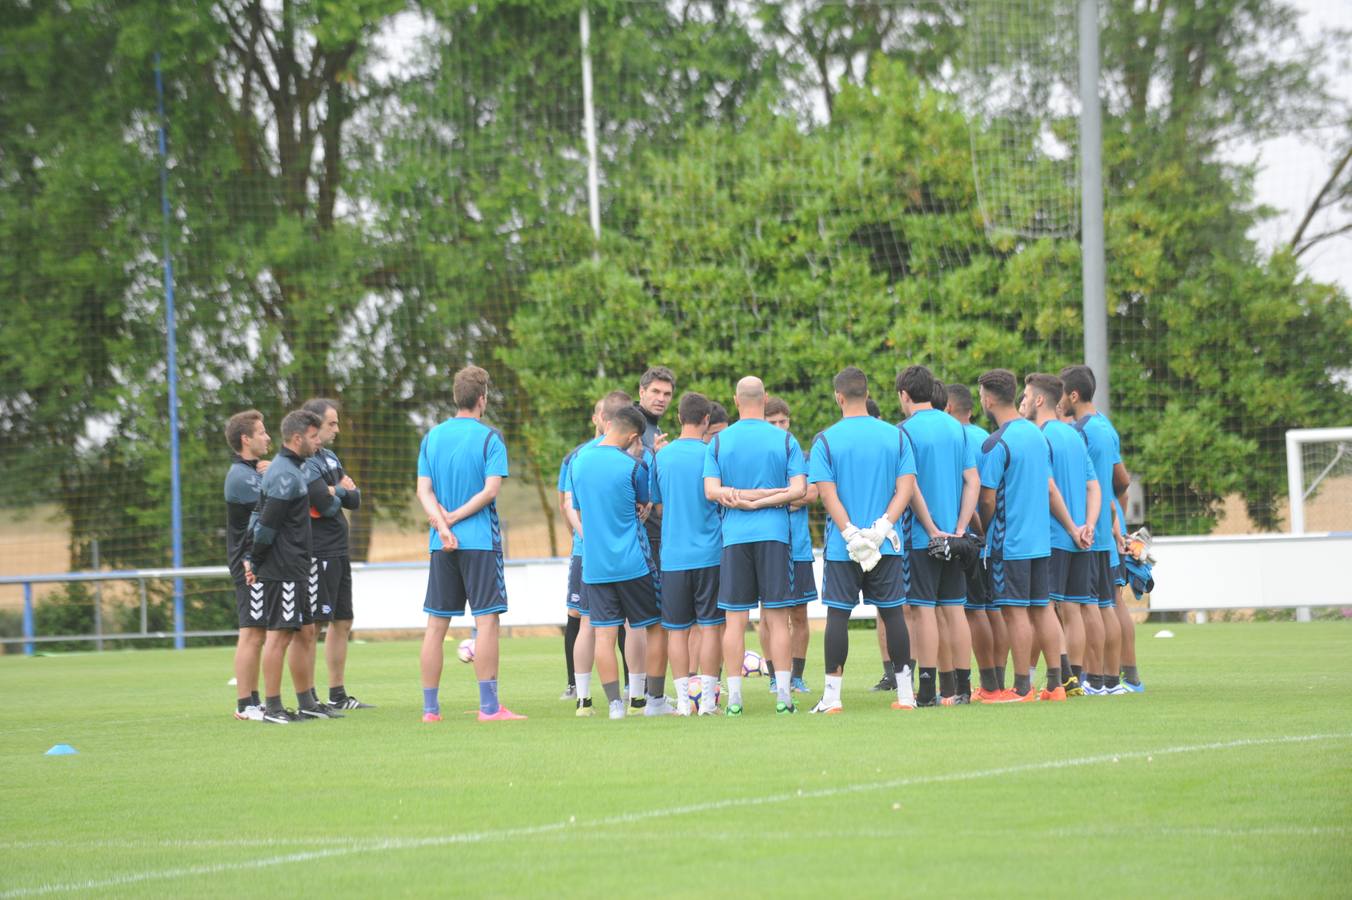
(897, 704)
(981, 695)
(585, 710)
(1030, 697)
(933, 701)
(317, 712)
(431, 717)
(502, 715)
(823, 708)
(1006, 695)
(617, 709)
(785, 709)
(1059, 694)
(1091, 691)
(800, 686)
(684, 707)
(734, 709)
(569, 693)
(1137, 688)
(955, 700)
(332, 710)
(351, 702)
(1073, 687)
(710, 710)
(281, 717)
(886, 683)
(1117, 690)
(659, 706)
(635, 708)
(250, 714)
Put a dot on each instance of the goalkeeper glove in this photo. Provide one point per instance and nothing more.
(883, 530)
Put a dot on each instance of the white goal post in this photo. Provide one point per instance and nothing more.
(1297, 492)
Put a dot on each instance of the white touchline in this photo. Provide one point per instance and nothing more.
(473, 837)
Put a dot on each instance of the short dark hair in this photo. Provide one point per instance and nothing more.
(775, 406)
(470, 384)
(629, 419)
(693, 408)
(873, 408)
(940, 395)
(917, 382)
(851, 383)
(718, 413)
(1049, 386)
(1079, 380)
(320, 406)
(959, 397)
(240, 426)
(299, 421)
(614, 402)
(1000, 384)
(658, 373)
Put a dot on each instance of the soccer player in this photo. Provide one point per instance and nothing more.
(1068, 573)
(331, 491)
(1018, 499)
(574, 603)
(608, 487)
(461, 464)
(248, 441)
(279, 559)
(1105, 451)
(864, 472)
(718, 420)
(804, 580)
(693, 537)
(755, 471)
(946, 476)
(656, 389)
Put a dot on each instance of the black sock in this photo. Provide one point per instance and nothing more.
(799, 664)
(253, 699)
(241, 704)
(1078, 672)
(623, 659)
(988, 680)
(1130, 676)
(570, 631)
(314, 696)
(584, 702)
(889, 667)
(1022, 685)
(948, 684)
(1065, 664)
(275, 704)
(999, 678)
(1095, 681)
(769, 667)
(337, 694)
(1053, 678)
(1110, 681)
(926, 692)
(964, 681)
(305, 700)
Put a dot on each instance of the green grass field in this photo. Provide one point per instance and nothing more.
(1231, 776)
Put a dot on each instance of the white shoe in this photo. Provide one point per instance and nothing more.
(683, 707)
(617, 709)
(1117, 690)
(250, 714)
(823, 707)
(710, 709)
(658, 706)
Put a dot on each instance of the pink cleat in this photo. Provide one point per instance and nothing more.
(431, 717)
(502, 715)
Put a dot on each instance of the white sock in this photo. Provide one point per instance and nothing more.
(735, 690)
(782, 684)
(682, 690)
(638, 685)
(583, 686)
(832, 692)
(708, 686)
(905, 693)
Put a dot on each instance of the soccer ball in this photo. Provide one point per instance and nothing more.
(466, 650)
(753, 664)
(695, 691)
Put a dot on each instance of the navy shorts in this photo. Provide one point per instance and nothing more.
(635, 600)
(979, 586)
(804, 582)
(331, 589)
(249, 604)
(576, 602)
(757, 572)
(1120, 574)
(286, 605)
(455, 577)
(884, 586)
(934, 582)
(690, 597)
(1020, 582)
(1101, 587)
(1068, 576)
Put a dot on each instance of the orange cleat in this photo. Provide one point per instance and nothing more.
(897, 704)
(1057, 695)
(431, 717)
(1030, 697)
(981, 695)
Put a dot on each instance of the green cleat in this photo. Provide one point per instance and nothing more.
(734, 710)
(785, 709)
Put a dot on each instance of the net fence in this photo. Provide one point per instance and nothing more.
(364, 197)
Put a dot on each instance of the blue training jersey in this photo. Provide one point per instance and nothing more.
(976, 436)
(1017, 464)
(566, 483)
(1105, 451)
(863, 457)
(1072, 471)
(753, 454)
(459, 455)
(942, 454)
(692, 532)
(607, 486)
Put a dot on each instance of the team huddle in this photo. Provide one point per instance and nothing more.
(995, 546)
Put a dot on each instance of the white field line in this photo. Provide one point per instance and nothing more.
(473, 837)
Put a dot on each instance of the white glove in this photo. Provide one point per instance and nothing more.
(857, 543)
(868, 557)
(883, 530)
(849, 533)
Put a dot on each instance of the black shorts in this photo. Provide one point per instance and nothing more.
(804, 582)
(458, 576)
(1101, 587)
(935, 582)
(757, 572)
(884, 586)
(690, 597)
(979, 585)
(331, 589)
(286, 605)
(575, 600)
(1120, 573)
(1068, 576)
(635, 600)
(1019, 582)
(249, 605)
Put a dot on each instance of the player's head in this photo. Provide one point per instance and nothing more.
(998, 387)
(626, 428)
(750, 397)
(939, 399)
(872, 408)
(1041, 394)
(1079, 385)
(693, 411)
(245, 434)
(611, 404)
(327, 410)
(655, 390)
(959, 402)
(777, 412)
(470, 390)
(850, 386)
(915, 387)
(718, 420)
(596, 416)
(300, 432)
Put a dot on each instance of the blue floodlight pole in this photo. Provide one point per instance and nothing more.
(1093, 265)
(176, 489)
